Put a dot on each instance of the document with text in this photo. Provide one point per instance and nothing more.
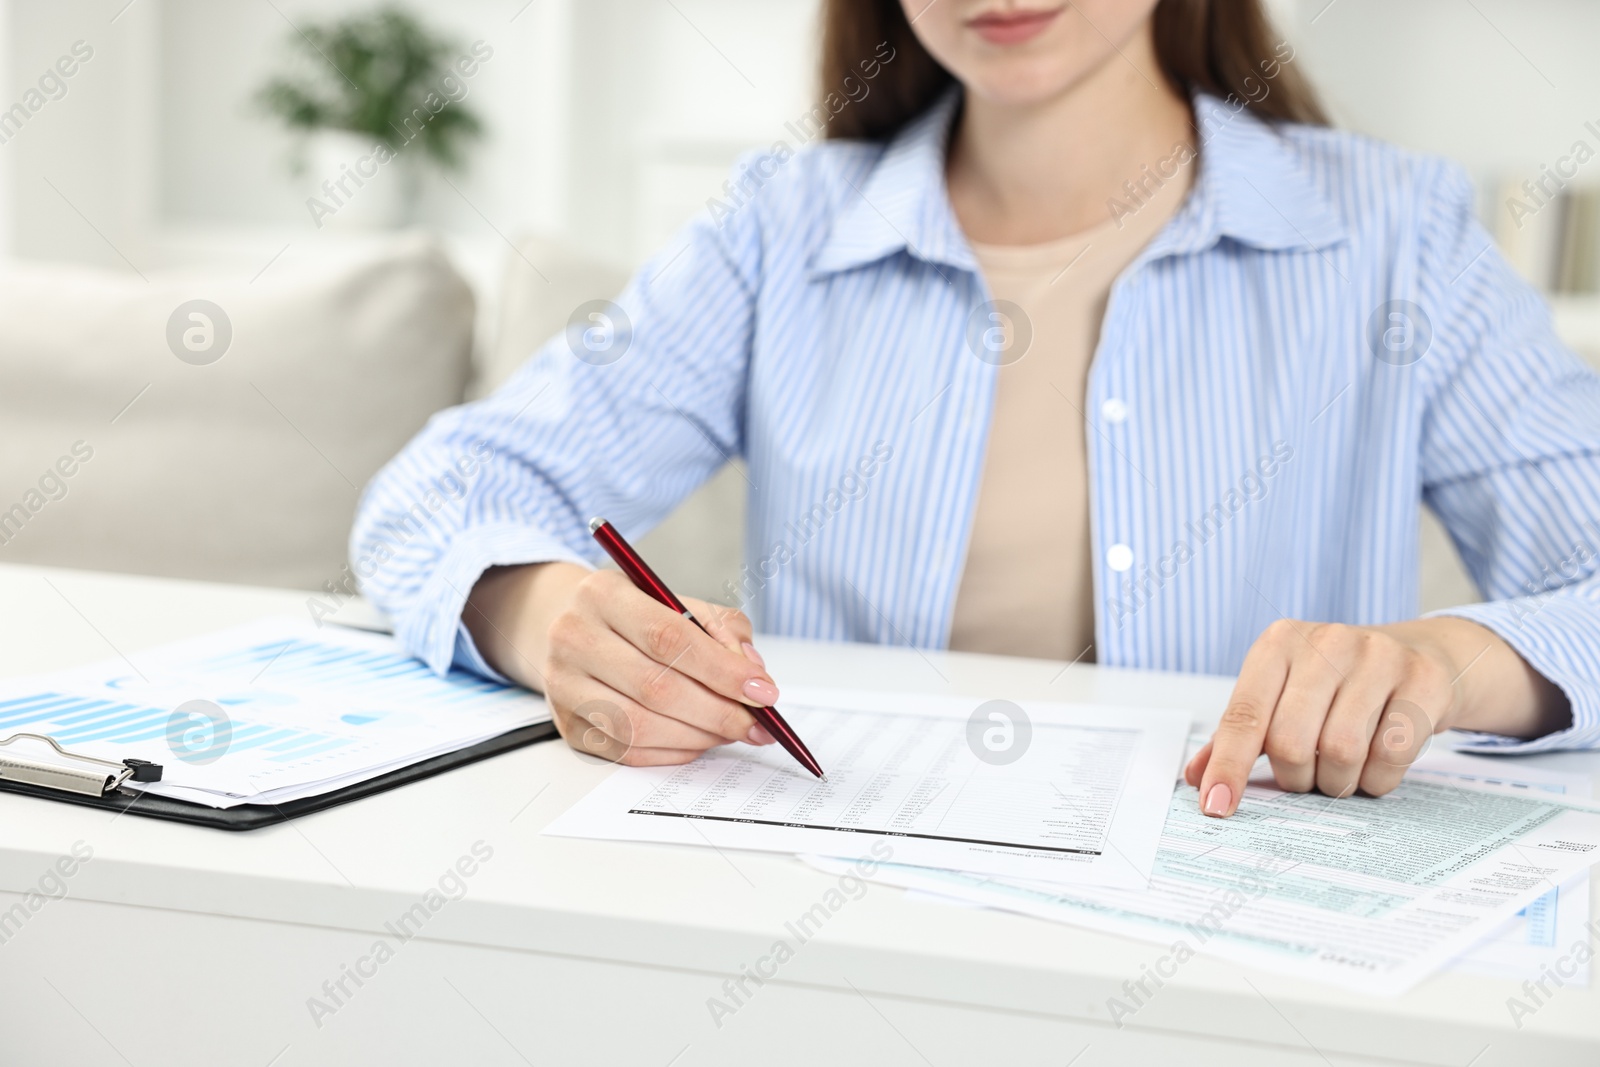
(1368, 893)
(1058, 793)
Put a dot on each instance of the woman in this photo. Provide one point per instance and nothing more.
(1294, 332)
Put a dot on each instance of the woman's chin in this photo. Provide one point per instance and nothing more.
(1019, 84)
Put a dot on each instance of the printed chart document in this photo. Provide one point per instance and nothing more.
(266, 712)
(1368, 893)
(1083, 803)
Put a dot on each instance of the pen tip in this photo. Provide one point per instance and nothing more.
(595, 523)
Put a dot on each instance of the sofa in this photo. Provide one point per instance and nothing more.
(220, 424)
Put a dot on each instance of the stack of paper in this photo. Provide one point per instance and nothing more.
(1372, 894)
(1523, 947)
(265, 713)
(1369, 893)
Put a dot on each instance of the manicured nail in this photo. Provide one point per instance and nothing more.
(1218, 799)
(752, 655)
(761, 692)
(758, 735)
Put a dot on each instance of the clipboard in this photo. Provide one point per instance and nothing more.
(98, 783)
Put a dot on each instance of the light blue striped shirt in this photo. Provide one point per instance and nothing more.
(1321, 336)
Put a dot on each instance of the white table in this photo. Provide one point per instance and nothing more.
(179, 946)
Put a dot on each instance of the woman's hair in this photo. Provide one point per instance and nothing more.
(1222, 47)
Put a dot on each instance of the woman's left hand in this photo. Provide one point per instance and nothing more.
(1340, 708)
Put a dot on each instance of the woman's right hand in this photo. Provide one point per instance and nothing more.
(627, 678)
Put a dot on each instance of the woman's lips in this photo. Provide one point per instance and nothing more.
(1013, 27)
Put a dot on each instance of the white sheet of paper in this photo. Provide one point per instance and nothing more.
(1082, 805)
(1370, 894)
(297, 710)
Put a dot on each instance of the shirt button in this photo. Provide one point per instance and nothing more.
(1114, 410)
(1119, 557)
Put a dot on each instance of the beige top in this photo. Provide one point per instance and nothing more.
(1028, 586)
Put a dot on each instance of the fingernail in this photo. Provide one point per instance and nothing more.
(752, 655)
(1218, 799)
(758, 735)
(761, 692)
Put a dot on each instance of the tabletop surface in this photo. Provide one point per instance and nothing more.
(360, 865)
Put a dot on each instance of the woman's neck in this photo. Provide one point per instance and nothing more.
(1021, 175)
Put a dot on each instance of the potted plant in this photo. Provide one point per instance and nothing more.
(374, 95)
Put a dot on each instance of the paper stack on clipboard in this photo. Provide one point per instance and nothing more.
(269, 713)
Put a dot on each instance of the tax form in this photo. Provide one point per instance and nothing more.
(1082, 803)
(1368, 893)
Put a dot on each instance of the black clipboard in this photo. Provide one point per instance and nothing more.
(117, 797)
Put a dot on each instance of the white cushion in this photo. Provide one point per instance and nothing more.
(545, 280)
(246, 469)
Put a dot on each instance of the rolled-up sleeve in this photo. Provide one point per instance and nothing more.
(1511, 460)
(623, 415)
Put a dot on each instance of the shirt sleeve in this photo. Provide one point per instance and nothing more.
(623, 415)
(1511, 459)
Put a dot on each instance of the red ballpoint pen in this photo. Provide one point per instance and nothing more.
(639, 572)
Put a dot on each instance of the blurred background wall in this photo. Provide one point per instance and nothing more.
(611, 121)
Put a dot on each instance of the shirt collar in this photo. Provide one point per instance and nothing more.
(1250, 188)
(902, 202)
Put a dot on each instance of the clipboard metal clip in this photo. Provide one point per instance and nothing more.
(86, 775)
